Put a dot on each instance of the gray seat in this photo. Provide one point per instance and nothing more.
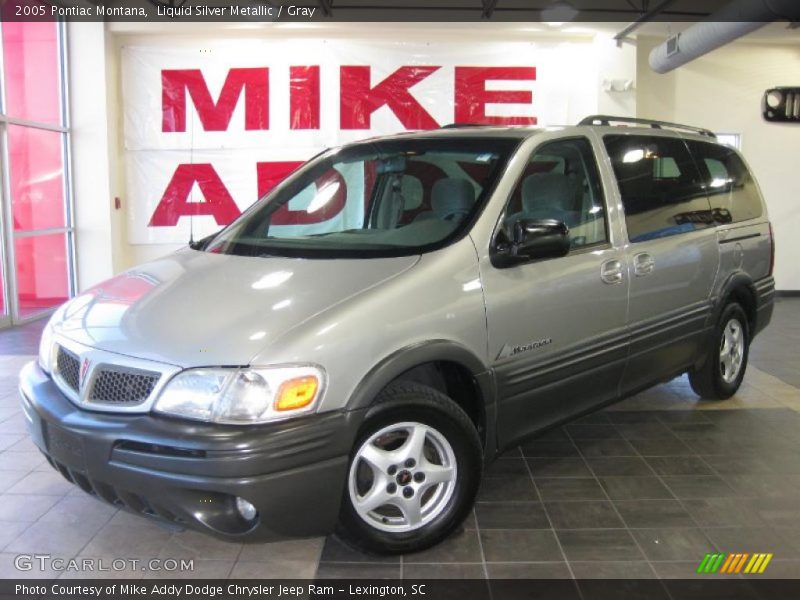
(452, 198)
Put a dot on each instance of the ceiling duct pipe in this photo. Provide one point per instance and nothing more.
(731, 22)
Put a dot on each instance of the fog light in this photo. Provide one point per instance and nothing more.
(247, 510)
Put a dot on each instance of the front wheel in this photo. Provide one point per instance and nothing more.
(414, 472)
(723, 371)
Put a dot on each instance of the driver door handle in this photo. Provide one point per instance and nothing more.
(611, 272)
(643, 264)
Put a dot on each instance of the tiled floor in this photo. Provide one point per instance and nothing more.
(641, 490)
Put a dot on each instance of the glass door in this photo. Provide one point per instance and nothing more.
(37, 262)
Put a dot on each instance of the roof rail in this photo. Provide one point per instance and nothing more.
(460, 125)
(607, 120)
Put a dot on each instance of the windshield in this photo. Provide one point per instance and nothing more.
(384, 198)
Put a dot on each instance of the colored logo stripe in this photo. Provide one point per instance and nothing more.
(734, 563)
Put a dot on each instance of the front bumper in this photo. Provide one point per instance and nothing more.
(189, 474)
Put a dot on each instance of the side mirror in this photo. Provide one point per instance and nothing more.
(533, 239)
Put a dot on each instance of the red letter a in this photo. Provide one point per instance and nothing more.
(175, 203)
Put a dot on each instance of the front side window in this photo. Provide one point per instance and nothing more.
(731, 189)
(382, 198)
(561, 182)
(662, 190)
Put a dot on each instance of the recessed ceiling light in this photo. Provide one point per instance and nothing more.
(558, 13)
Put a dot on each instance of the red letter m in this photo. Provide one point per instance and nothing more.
(215, 116)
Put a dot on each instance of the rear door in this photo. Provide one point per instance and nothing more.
(672, 253)
(556, 327)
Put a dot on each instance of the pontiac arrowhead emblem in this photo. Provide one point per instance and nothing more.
(84, 370)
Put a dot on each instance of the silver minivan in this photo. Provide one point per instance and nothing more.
(349, 353)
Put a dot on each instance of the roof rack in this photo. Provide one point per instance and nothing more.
(460, 125)
(607, 120)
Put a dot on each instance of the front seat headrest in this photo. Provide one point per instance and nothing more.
(452, 198)
(547, 191)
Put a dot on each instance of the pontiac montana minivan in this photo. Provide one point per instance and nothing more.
(349, 353)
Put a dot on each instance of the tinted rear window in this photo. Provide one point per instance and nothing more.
(731, 188)
(661, 187)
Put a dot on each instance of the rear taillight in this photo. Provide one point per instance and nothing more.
(771, 249)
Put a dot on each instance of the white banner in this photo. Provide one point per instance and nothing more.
(208, 129)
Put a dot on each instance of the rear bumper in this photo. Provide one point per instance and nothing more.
(765, 302)
(189, 474)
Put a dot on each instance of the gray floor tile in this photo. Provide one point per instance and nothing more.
(61, 539)
(529, 570)
(698, 486)
(559, 467)
(678, 465)
(634, 488)
(21, 461)
(569, 489)
(542, 449)
(629, 466)
(202, 569)
(78, 510)
(661, 447)
(511, 515)
(507, 489)
(307, 550)
(612, 570)
(9, 531)
(645, 431)
(599, 545)
(722, 512)
(328, 570)
(279, 569)
(143, 540)
(643, 514)
(195, 545)
(25, 507)
(605, 448)
(508, 467)
(42, 483)
(9, 478)
(444, 571)
(594, 514)
(504, 545)
(674, 544)
(592, 432)
(782, 543)
(461, 547)
(336, 551)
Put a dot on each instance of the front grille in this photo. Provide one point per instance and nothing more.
(68, 366)
(122, 386)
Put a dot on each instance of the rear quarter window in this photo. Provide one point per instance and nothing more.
(732, 191)
(662, 188)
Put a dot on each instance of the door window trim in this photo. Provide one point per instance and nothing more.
(586, 248)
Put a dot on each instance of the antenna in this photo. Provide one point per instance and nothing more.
(191, 192)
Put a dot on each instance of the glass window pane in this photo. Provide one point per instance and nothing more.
(42, 272)
(36, 175)
(31, 57)
(661, 188)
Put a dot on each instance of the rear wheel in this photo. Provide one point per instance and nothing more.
(414, 472)
(724, 368)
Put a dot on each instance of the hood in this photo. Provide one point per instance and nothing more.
(201, 309)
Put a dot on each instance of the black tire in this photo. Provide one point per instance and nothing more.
(404, 402)
(708, 381)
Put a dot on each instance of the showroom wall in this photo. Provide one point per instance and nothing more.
(722, 91)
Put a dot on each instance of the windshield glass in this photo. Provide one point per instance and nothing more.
(384, 198)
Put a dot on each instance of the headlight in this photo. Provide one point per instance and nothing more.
(242, 396)
(46, 348)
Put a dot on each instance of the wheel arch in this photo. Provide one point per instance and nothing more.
(739, 287)
(443, 365)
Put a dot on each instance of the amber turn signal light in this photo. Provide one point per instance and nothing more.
(296, 393)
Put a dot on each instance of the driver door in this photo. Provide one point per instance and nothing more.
(557, 327)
